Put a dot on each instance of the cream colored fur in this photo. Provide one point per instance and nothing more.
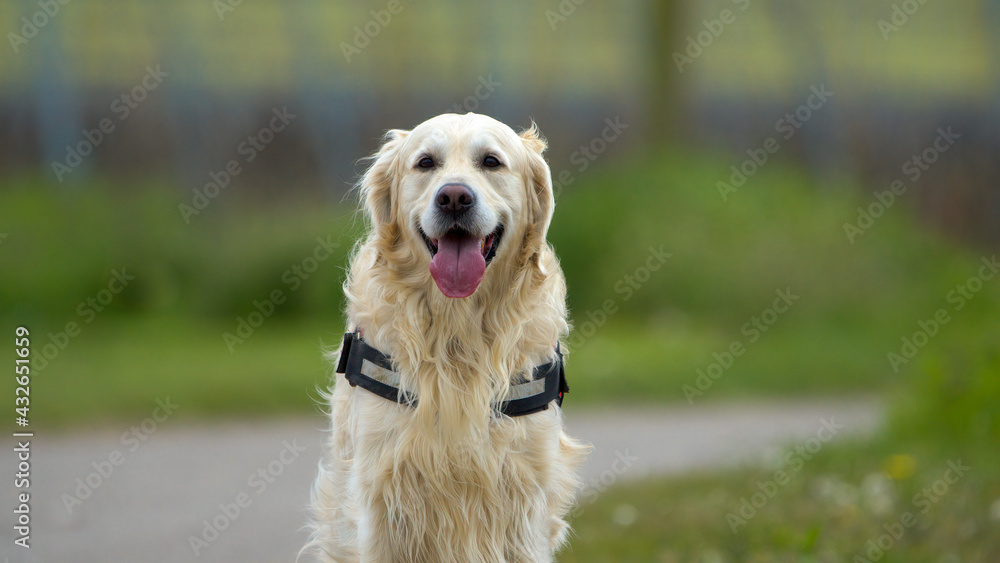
(449, 480)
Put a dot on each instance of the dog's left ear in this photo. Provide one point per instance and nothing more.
(540, 199)
(377, 183)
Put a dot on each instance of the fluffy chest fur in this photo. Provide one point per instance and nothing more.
(424, 497)
(393, 490)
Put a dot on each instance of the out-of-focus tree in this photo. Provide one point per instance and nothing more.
(661, 94)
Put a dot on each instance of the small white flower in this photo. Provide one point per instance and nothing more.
(995, 510)
(625, 515)
(877, 492)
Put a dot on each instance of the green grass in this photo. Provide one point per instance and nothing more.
(117, 367)
(828, 512)
(895, 491)
(163, 333)
(729, 258)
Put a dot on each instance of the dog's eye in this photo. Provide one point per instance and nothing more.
(490, 161)
(425, 162)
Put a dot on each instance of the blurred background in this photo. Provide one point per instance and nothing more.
(757, 200)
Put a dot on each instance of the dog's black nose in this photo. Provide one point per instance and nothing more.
(455, 198)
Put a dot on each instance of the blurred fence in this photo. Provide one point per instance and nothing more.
(76, 73)
(349, 71)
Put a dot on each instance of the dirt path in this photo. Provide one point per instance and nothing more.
(158, 496)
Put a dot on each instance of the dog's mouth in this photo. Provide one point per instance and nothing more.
(459, 259)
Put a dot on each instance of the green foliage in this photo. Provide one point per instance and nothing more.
(67, 241)
(926, 490)
(116, 368)
(955, 398)
(842, 500)
(729, 256)
(728, 260)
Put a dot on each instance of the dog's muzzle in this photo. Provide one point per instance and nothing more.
(460, 245)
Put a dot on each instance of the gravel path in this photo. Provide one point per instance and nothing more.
(155, 498)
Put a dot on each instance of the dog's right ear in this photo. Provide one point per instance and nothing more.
(378, 181)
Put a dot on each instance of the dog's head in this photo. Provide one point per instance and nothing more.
(461, 193)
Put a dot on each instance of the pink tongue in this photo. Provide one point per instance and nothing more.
(458, 266)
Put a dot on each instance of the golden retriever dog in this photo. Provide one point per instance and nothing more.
(457, 285)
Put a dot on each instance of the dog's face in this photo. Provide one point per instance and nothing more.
(462, 192)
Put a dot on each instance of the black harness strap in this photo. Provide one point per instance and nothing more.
(370, 369)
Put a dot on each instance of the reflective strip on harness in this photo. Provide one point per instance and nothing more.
(370, 369)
